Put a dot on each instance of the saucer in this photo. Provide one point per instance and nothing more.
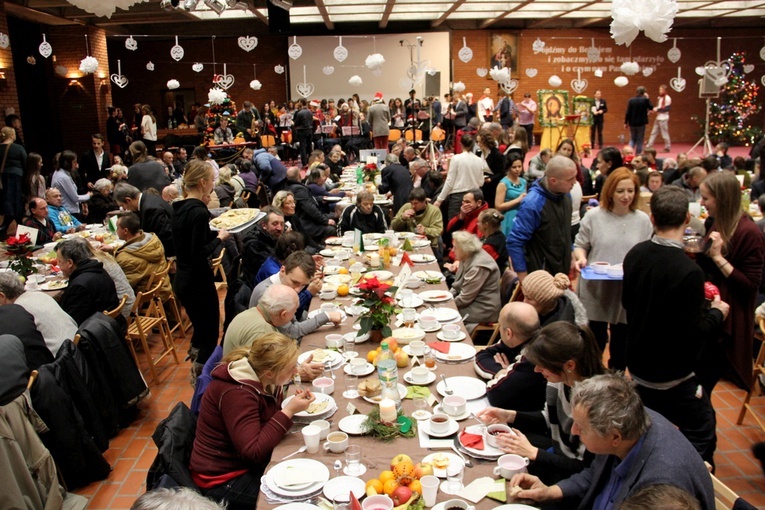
(368, 369)
(451, 429)
(460, 417)
(408, 378)
(421, 414)
(461, 336)
(362, 470)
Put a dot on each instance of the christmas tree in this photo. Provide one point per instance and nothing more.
(730, 116)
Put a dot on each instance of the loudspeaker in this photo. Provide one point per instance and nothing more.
(707, 88)
(433, 84)
(278, 20)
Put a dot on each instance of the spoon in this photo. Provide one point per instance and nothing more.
(446, 386)
(299, 450)
(338, 466)
(468, 462)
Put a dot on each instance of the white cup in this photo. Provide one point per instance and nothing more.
(414, 283)
(510, 465)
(493, 430)
(311, 436)
(430, 485)
(451, 331)
(420, 374)
(333, 262)
(358, 365)
(457, 504)
(343, 254)
(357, 267)
(334, 341)
(439, 423)
(323, 425)
(328, 295)
(377, 502)
(329, 308)
(409, 315)
(324, 385)
(454, 405)
(428, 322)
(600, 267)
(405, 295)
(417, 348)
(336, 442)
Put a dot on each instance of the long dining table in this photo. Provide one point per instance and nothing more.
(376, 454)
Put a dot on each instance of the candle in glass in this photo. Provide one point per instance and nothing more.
(388, 410)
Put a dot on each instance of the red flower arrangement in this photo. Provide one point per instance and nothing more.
(370, 172)
(377, 297)
(19, 248)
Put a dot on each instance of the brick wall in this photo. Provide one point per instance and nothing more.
(695, 52)
(150, 86)
(9, 98)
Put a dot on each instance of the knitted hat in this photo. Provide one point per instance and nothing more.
(545, 288)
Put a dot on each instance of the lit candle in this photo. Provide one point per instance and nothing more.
(388, 412)
(374, 260)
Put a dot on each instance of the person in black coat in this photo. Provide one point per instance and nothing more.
(315, 223)
(156, 215)
(16, 321)
(397, 180)
(95, 162)
(101, 203)
(365, 216)
(145, 173)
(91, 289)
(636, 118)
(260, 242)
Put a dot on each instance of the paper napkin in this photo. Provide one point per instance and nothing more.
(440, 346)
(478, 489)
(499, 491)
(417, 391)
(474, 441)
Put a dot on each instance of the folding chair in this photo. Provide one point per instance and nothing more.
(171, 302)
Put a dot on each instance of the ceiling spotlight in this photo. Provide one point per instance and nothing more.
(190, 5)
(166, 5)
(216, 5)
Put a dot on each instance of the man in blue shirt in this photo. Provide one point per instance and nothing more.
(62, 219)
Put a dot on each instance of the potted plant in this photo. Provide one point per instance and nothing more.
(377, 298)
(19, 249)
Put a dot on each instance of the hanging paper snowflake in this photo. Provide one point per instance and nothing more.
(216, 96)
(653, 17)
(374, 61)
(89, 65)
(256, 85)
(458, 87)
(630, 68)
(173, 84)
(621, 81)
(355, 80)
(538, 46)
(279, 69)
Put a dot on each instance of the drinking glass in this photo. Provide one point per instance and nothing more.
(409, 315)
(351, 386)
(349, 347)
(341, 502)
(429, 359)
(454, 474)
(420, 403)
(353, 459)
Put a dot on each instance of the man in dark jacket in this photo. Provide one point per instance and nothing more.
(38, 218)
(365, 216)
(636, 118)
(541, 234)
(145, 173)
(155, 214)
(95, 162)
(260, 242)
(396, 180)
(316, 224)
(16, 321)
(91, 289)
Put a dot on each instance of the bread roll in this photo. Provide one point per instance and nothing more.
(369, 388)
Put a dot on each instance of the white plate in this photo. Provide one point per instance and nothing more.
(460, 336)
(515, 506)
(468, 387)
(459, 417)
(373, 235)
(359, 339)
(376, 400)
(368, 369)
(337, 279)
(452, 428)
(430, 330)
(333, 252)
(407, 335)
(420, 243)
(457, 352)
(355, 310)
(436, 296)
(353, 425)
(333, 357)
(415, 301)
(331, 270)
(55, 285)
(332, 199)
(445, 314)
(381, 275)
(308, 465)
(333, 241)
(441, 472)
(431, 378)
(427, 275)
(422, 258)
(298, 506)
(488, 451)
(320, 397)
(406, 235)
(342, 485)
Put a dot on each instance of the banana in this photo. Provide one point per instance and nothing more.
(371, 491)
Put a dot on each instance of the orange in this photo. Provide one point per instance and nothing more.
(377, 484)
(392, 251)
(342, 270)
(387, 475)
(404, 472)
(371, 356)
(415, 486)
(390, 486)
(342, 290)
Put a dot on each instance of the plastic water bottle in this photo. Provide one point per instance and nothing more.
(387, 371)
(359, 175)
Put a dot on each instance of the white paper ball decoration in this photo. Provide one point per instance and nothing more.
(374, 61)
(355, 81)
(630, 68)
(256, 85)
(89, 65)
(216, 96)
(173, 84)
(555, 81)
(458, 87)
(621, 81)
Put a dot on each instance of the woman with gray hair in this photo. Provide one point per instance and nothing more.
(285, 202)
(180, 498)
(102, 202)
(476, 285)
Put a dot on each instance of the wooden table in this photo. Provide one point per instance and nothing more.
(374, 451)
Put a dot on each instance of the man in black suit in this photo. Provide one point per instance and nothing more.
(156, 214)
(598, 109)
(636, 118)
(94, 163)
(397, 181)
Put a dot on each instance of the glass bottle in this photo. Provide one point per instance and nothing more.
(387, 371)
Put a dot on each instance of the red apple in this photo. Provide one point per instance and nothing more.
(401, 495)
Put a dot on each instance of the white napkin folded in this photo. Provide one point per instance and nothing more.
(478, 489)
(294, 475)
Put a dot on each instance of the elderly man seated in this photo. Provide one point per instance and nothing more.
(420, 217)
(365, 216)
(476, 284)
(275, 309)
(61, 218)
(53, 323)
(38, 218)
(141, 256)
(634, 447)
(91, 289)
